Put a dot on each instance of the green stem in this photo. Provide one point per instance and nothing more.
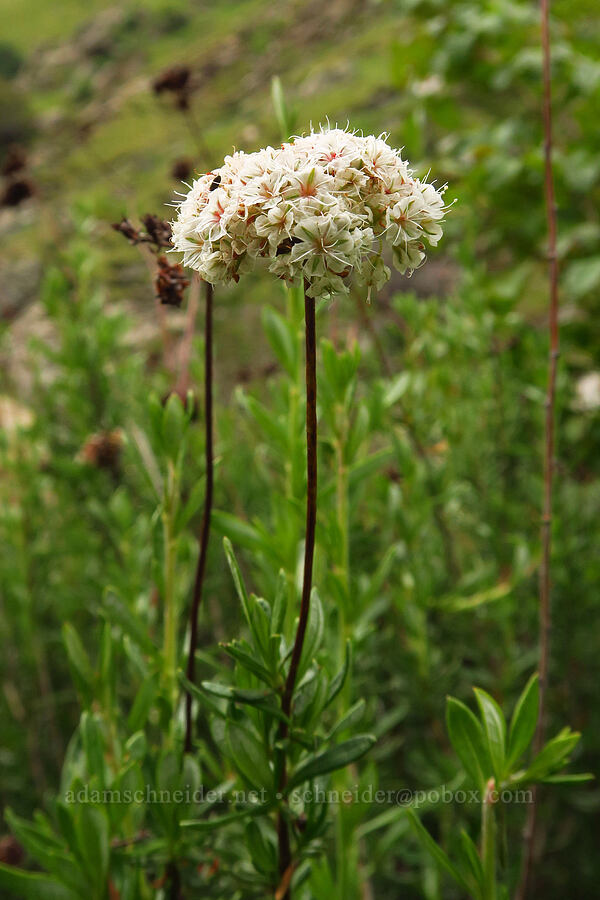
(343, 558)
(341, 861)
(488, 844)
(291, 479)
(342, 513)
(170, 600)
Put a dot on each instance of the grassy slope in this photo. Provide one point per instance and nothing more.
(125, 157)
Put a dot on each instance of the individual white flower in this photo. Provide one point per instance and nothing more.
(433, 212)
(275, 224)
(319, 208)
(213, 220)
(404, 220)
(408, 257)
(374, 274)
(309, 181)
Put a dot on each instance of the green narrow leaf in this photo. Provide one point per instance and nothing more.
(243, 533)
(33, 887)
(377, 579)
(576, 778)
(334, 758)
(46, 850)
(489, 595)
(168, 780)
(434, 849)
(173, 425)
(261, 622)
(284, 120)
(136, 746)
(229, 692)
(118, 613)
(248, 755)
(245, 659)
(93, 838)
(201, 696)
(351, 718)
(65, 814)
(524, 721)
(337, 682)
(273, 427)
(107, 667)
(142, 704)
(552, 757)
(358, 433)
(264, 700)
(93, 745)
(264, 856)
(279, 604)
(192, 506)
(466, 737)
(472, 863)
(396, 388)
(168, 771)
(314, 633)
(362, 469)
(238, 580)
(495, 729)
(81, 666)
(313, 703)
(214, 822)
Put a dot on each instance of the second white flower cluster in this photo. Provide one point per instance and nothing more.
(319, 208)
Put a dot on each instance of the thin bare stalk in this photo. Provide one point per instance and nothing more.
(285, 855)
(196, 133)
(205, 528)
(545, 615)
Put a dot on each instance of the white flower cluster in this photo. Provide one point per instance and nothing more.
(319, 208)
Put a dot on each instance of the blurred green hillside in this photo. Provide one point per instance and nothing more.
(455, 83)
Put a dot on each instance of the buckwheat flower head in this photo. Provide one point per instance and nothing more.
(321, 208)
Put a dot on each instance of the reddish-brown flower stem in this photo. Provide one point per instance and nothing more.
(285, 856)
(205, 527)
(545, 616)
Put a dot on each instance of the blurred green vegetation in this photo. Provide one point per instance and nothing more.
(444, 544)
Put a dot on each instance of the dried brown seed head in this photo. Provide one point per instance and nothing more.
(17, 192)
(172, 80)
(170, 282)
(158, 231)
(128, 230)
